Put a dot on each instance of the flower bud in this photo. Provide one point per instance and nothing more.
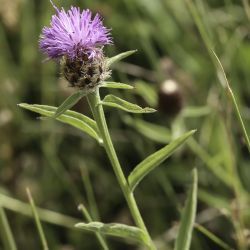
(85, 73)
(170, 98)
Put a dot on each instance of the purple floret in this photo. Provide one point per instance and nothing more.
(73, 34)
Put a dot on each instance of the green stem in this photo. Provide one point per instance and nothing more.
(98, 113)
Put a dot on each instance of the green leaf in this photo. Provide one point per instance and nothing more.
(147, 92)
(216, 168)
(195, 111)
(116, 102)
(184, 236)
(154, 132)
(116, 85)
(119, 57)
(69, 103)
(155, 159)
(115, 229)
(72, 118)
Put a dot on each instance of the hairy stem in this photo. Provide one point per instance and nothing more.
(98, 113)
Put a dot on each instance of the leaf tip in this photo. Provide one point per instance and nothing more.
(195, 174)
(78, 225)
(22, 105)
(150, 110)
(193, 131)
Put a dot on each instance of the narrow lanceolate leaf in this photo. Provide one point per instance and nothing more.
(154, 132)
(116, 102)
(119, 57)
(69, 103)
(116, 85)
(184, 236)
(192, 112)
(72, 118)
(154, 160)
(115, 229)
(148, 92)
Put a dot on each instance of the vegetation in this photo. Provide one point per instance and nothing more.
(191, 64)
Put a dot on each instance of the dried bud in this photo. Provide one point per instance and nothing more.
(84, 72)
(170, 98)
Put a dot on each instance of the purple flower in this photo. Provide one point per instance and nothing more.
(74, 34)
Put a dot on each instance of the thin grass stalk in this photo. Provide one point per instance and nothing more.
(6, 233)
(220, 71)
(37, 221)
(246, 6)
(213, 237)
(44, 214)
(236, 185)
(90, 193)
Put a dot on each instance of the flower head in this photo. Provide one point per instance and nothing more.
(74, 34)
(77, 39)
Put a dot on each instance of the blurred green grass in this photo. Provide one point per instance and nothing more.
(48, 157)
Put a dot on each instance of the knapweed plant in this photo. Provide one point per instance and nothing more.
(76, 39)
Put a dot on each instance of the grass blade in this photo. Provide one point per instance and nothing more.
(220, 70)
(211, 165)
(213, 237)
(155, 159)
(147, 92)
(154, 132)
(116, 102)
(246, 8)
(44, 214)
(6, 234)
(89, 192)
(184, 236)
(37, 221)
(231, 94)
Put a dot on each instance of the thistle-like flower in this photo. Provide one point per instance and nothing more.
(77, 39)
